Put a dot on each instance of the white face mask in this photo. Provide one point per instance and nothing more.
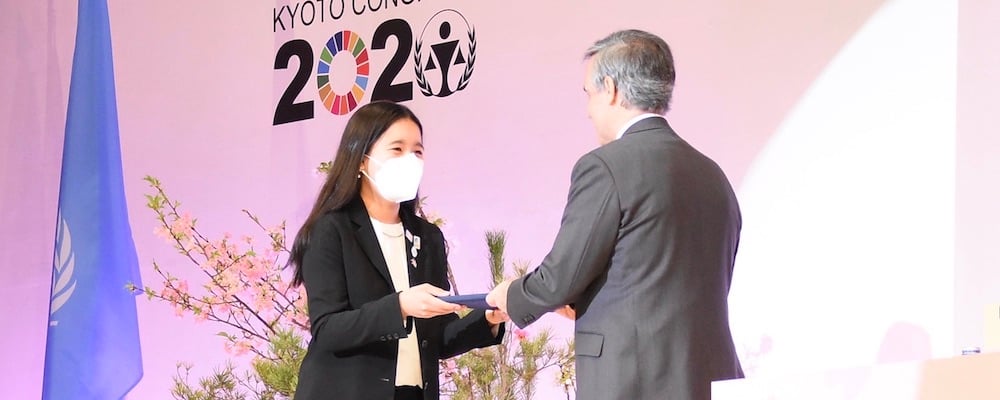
(397, 178)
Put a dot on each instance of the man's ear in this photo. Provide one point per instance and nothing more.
(612, 91)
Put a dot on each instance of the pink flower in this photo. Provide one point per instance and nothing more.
(162, 232)
(301, 319)
(200, 315)
(520, 333)
(210, 265)
(252, 272)
(267, 255)
(169, 294)
(182, 287)
(228, 282)
(276, 231)
(237, 348)
(183, 225)
(450, 368)
(262, 299)
(241, 348)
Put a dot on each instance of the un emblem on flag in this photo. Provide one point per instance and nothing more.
(450, 54)
(63, 283)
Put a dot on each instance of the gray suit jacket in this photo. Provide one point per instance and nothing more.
(645, 254)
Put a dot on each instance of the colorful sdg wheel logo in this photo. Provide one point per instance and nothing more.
(343, 43)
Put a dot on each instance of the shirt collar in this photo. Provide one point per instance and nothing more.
(633, 121)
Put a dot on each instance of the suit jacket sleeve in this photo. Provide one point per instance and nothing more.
(582, 249)
(335, 326)
(460, 334)
(466, 333)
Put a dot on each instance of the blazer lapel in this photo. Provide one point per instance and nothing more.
(365, 234)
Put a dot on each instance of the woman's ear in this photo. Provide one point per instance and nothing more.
(364, 165)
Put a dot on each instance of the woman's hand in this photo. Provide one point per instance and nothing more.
(496, 317)
(421, 302)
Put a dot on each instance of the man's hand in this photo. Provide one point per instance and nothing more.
(498, 296)
(568, 312)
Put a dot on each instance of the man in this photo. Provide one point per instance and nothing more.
(646, 248)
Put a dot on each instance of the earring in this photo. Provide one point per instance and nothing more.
(359, 174)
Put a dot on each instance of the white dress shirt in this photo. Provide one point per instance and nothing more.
(632, 121)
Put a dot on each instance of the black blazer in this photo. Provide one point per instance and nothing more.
(355, 314)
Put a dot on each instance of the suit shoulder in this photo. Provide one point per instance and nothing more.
(330, 223)
(598, 157)
(333, 217)
(608, 159)
(595, 166)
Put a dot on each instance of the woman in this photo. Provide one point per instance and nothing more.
(373, 269)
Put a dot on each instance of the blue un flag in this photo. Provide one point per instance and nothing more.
(92, 349)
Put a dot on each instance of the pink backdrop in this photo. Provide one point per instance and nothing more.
(823, 108)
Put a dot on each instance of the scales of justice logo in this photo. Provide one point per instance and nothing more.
(450, 54)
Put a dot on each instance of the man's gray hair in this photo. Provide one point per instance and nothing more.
(641, 66)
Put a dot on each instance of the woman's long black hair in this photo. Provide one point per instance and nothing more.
(342, 185)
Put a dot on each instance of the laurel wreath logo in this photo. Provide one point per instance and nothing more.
(418, 68)
(64, 263)
(470, 62)
(470, 65)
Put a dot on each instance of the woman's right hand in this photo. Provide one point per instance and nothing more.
(422, 301)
